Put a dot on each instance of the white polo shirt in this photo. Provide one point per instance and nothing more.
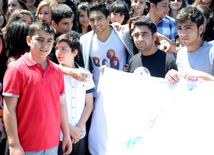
(75, 92)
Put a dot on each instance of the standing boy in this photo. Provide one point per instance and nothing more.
(196, 59)
(79, 95)
(34, 107)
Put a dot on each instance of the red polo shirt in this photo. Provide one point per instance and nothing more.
(38, 93)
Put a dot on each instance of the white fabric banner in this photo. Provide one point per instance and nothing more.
(136, 115)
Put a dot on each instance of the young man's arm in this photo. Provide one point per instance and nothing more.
(197, 75)
(77, 131)
(10, 121)
(66, 142)
(164, 41)
(77, 74)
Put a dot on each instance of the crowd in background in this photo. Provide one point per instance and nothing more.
(17, 15)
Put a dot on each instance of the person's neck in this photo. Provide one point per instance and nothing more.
(32, 9)
(61, 1)
(153, 17)
(150, 52)
(105, 34)
(69, 64)
(84, 29)
(138, 14)
(42, 61)
(196, 45)
(173, 13)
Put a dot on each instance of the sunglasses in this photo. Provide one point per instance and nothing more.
(177, 0)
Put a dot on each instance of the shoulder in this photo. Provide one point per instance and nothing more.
(87, 36)
(135, 57)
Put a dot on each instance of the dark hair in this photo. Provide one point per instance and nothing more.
(120, 7)
(191, 13)
(146, 22)
(99, 6)
(15, 39)
(83, 6)
(60, 11)
(41, 25)
(182, 6)
(148, 2)
(71, 40)
(2, 58)
(4, 7)
(205, 10)
(5, 22)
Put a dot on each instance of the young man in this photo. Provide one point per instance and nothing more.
(158, 10)
(78, 95)
(104, 45)
(156, 62)
(33, 103)
(195, 60)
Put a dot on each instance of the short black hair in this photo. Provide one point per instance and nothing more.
(190, 13)
(120, 7)
(99, 6)
(71, 40)
(146, 22)
(148, 2)
(41, 25)
(60, 11)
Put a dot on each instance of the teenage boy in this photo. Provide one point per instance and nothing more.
(62, 20)
(34, 108)
(158, 10)
(78, 95)
(195, 60)
(156, 62)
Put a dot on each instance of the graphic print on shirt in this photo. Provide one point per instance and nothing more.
(96, 61)
(114, 61)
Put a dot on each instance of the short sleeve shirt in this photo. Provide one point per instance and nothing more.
(38, 92)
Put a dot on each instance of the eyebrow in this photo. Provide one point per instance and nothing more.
(97, 17)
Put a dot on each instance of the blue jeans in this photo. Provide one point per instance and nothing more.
(52, 151)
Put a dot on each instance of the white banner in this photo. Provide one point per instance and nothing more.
(136, 115)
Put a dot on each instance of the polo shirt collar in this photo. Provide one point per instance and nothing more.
(30, 62)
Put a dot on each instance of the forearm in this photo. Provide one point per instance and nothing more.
(64, 119)
(10, 121)
(87, 110)
(162, 38)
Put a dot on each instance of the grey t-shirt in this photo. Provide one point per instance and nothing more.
(201, 59)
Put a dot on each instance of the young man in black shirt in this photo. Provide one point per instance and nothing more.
(156, 62)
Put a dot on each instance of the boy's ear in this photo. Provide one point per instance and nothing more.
(53, 23)
(75, 52)
(28, 40)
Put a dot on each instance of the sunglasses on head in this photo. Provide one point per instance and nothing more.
(177, 0)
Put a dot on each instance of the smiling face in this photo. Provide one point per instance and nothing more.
(188, 33)
(40, 44)
(45, 14)
(83, 19)
(30, 3)
(13, 5)
(138, 6)
(175, 4)
(99, 23)
(161, 9)
(117, 17)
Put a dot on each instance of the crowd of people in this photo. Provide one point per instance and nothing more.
(52, 53)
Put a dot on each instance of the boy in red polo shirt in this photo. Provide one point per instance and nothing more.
(34, 108)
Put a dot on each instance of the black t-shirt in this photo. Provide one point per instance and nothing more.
(158, 63)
